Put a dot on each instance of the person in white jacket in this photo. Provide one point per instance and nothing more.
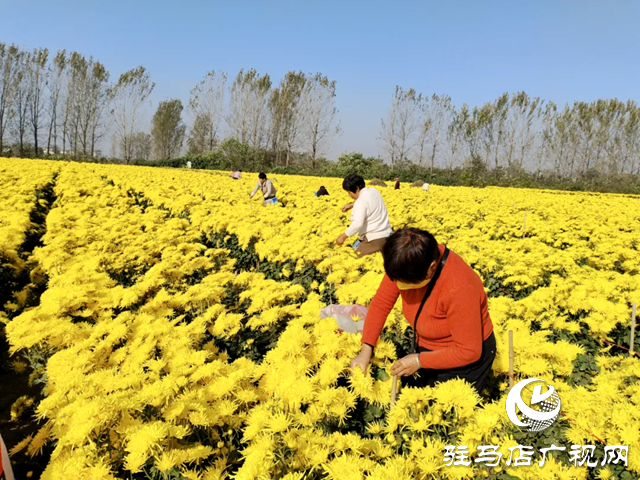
(369, 218)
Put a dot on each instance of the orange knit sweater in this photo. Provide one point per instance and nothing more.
(453, 323)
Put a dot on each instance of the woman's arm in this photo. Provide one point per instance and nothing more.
(381, 305)
(347, 207)
(463, 308)
(255, 190)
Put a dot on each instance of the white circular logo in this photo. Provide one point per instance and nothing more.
(548, 406)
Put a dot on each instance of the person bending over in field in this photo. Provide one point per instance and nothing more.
(444, 300)
(322, 191)
(236, 175)
(268, 190)
(369, 218)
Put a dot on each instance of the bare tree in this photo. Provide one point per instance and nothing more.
(320, 113)
(22, 99)
(438, 117)
(629, 141)
(471, 131)
(87, 99)
(9, 78)
(530, 118)
(128, 98)
(500, 115)
(141, 146)
(248, 107)
(546, 135)
(99, 102)
(57, 79)
(399, 131)
(37, 79)
(456, 132)
(485, 123)
(425, 122)
(291, 111)
(207, 105)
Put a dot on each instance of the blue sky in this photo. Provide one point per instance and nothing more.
(562, 50)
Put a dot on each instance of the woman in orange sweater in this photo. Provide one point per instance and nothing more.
(444, 301)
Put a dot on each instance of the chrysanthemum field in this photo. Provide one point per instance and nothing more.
(173, 326)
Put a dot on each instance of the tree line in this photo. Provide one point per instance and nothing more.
(65, 105)
(514, 132)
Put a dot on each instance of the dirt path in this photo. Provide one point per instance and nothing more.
(12, 387)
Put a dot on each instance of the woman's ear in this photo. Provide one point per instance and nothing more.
(432, 269)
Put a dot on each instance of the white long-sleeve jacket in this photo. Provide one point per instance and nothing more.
(369, 216)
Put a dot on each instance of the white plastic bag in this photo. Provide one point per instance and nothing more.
(5, 464)
(344, 315)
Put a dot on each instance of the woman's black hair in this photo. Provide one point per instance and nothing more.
(408, 253)
(262, 175)
(352, 183)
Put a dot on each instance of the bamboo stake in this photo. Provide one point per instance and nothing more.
(202, 192)
(394, 389)
(633, 328)
(524, 224)
(510, 358)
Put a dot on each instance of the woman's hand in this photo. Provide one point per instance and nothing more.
(348, 206)
(406, 365)
(363, 359)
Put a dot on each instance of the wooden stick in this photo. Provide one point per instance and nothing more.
(510, 358)
(524, 224)
(633, 328)
(394, 389)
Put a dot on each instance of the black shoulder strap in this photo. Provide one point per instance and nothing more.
(430, 286)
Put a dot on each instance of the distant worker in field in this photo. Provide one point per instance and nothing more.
(397, 185)
(237, 175)
(268, 190)
(425, 187)
(444, 301)
(369, 218)
(321, 192)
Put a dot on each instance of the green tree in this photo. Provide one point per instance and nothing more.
(200, 140)
(167, 129)
(356, 162)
